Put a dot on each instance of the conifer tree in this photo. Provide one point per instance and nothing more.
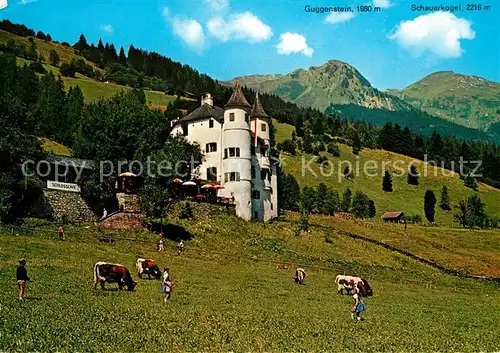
(346, 200)
(387, 182)
(413, 175)
(445, 199)
(430, 205)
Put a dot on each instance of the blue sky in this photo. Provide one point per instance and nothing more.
(226, 38)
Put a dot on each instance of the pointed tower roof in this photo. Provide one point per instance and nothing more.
(237, 98)
(257, 109)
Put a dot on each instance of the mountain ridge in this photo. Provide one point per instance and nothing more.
(334, 82)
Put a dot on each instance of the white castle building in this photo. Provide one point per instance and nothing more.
(235, 142)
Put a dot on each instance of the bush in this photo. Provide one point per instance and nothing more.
(38, 67)
(333, 149)
(414, 219)
(321, 159)
(185, 210)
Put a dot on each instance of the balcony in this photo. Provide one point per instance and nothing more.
(264, 162)
(267, 185)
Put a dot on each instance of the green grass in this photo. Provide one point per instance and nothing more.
(55, 148)
(235, 300)
(406, 198)
(66, 54)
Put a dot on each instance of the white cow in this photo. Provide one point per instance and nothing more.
(350, 282)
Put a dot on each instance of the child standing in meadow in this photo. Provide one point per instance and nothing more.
(60, 231)
(166, 284)
(22, 278)
(358, 307)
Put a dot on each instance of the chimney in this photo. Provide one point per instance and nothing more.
(207, 99)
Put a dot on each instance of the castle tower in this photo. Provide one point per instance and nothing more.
(236, 162)
(264, 191)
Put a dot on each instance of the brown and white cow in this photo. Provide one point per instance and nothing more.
(148, 267)
(300, 275)
(348, 283)
(113, 273)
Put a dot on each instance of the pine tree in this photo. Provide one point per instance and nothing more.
(346, 200)
(360, 207)
(470, 182)
(445, 199)
(81, 44)
(372, 211)
(122, 58)
(413, 175)
(387, 182)
(54, 58)
(430, 205)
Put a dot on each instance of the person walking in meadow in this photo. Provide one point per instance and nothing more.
(22, 278)
(60, 231)
(358, 307)
(160, 245)
(180, 247)
(166, 284)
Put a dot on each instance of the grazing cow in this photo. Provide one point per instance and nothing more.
(148, 267)
(113, 273)
(348, 283)
(300, 275)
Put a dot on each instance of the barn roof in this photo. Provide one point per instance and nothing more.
(237, 98)
(204, 112)
(389, 215)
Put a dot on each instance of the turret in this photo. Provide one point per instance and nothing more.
(236, 163)
(259, 121)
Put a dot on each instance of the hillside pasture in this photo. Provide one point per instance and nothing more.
(406, 198)
(229, 296)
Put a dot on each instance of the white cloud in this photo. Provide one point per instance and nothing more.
(107, 28)
(293, 43)
(339, 17)
(439, 32)
(382, 3)
(190, 31)
(242, 26)
(3, 4)
(219, 6)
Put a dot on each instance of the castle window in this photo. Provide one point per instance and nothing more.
(210, 123)
(253, 172)
(263, 127)
(256, 215)
(212, 174)
(232, 152)
(256, 194)
(271, 206)
(231, 116)
(233, 176)
(211, 147)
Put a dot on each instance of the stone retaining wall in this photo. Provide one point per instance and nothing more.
(61, 204)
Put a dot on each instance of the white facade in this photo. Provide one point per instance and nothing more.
(233, 156)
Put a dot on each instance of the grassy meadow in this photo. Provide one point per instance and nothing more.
(228, 295)
(406, 198)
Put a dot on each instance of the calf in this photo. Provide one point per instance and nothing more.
(148, 267)
(113, 273)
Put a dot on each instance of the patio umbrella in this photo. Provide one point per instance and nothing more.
(127, 174)
(177, 180)
(208, 186)
(189, 183)
(218, 187)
